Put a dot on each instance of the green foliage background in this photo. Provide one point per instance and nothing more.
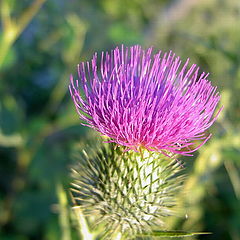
(41, 42)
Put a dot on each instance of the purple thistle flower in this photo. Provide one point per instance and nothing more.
(138, 99)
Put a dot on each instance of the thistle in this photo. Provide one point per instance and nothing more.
(152, 104)
(138, 99)
(128, 191)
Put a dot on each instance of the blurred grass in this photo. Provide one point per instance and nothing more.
(41, 43)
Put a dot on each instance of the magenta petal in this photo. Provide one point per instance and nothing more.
(140, 99)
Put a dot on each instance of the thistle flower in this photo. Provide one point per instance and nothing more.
(138, 99)
(128, 191)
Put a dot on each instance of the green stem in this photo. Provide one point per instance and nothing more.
(12, 28)
(63, 213)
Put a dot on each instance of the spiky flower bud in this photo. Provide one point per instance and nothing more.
(126, 190)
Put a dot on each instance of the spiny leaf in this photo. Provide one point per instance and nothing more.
(172, 234)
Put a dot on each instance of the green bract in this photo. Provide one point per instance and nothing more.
(128, 191)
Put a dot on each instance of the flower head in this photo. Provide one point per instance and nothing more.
(138, 99)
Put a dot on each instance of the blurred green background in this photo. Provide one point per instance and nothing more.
(42, 41)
